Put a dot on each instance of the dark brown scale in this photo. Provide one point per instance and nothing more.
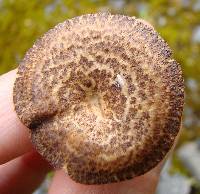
(131, 89)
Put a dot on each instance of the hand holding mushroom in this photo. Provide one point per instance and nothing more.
(103, 100)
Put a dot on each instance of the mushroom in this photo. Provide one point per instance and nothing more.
(102, 97)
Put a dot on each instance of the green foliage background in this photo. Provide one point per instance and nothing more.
(178, 21)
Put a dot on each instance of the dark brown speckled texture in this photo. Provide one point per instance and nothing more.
(102, 97)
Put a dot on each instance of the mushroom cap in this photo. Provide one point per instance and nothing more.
(102, 97)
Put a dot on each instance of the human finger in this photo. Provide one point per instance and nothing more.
(14, 136)
(23, 174)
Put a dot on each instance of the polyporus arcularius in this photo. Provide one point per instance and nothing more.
(102, 97)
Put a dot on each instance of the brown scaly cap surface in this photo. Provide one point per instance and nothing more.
(102, 97)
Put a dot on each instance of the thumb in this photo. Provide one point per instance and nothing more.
(145, 184)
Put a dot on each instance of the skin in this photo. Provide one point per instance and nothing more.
(22, 169)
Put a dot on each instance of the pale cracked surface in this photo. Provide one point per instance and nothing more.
(102, 97)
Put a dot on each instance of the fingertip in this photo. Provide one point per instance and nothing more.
(14, 136)
(23, 174)
(145, 184)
